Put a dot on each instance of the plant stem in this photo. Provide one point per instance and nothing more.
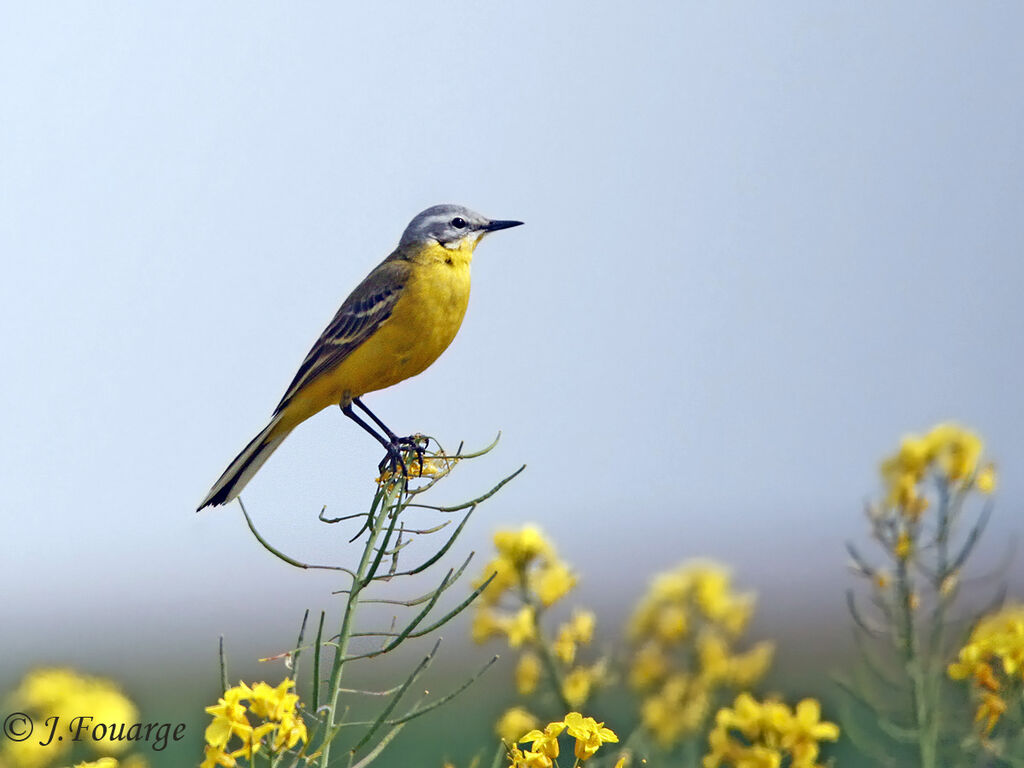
(543, 646)
(386, 502)
(915, 669)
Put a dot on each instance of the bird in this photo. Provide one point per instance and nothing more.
(394, 325)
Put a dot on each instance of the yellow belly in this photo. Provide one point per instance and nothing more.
(422, 325)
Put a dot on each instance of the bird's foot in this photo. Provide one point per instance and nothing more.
(398, 448)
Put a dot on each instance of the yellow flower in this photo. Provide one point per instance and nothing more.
(522, 628)
(577, 684)
(671, 623)
(648, 667)
(488, 624)
(745, 669)
(103, 762)
(589, 735)
(521, 547)
(995, 648)
(990, 710)
(771, 733)
(904, 545)
(552, 582)
(66, 694)
(582, 626)
(528, 672)
(275, 706)
(513, 724)
(545, 742)
(229, 717)
(564, 645)
(522, 759)
(273, 703)
(805, 730)
(714, 657)
(505, 577)
(985, 480)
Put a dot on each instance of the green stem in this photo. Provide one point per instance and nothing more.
(547, 656)
(386, 501)
(919, 698)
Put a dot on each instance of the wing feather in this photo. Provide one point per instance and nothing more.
(362, 313)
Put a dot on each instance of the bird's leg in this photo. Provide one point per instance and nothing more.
(410, 443)
(390, 444)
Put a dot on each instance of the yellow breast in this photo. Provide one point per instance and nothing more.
(422, 325)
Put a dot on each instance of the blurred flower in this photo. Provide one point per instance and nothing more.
(753, 733)
(528, 672)
(684, 632)
(578, 683)
(552, 582)
(522, 628)
(513, 724)
(948, 450)
(65, 693)
(520, 548)
(992, 658)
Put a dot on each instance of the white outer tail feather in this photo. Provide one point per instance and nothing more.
(245, 465)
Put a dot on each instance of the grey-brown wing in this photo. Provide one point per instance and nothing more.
(362, 313)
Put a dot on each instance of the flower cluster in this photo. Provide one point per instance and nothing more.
(281, 725)
(543, 753)
(993, 660)
(950, 451)
(683, 633)
(528, 576)
(526, 561)
(66, 694)
(753, 734)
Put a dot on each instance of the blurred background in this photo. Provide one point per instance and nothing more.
(762, 242)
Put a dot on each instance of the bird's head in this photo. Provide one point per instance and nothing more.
(452, 226)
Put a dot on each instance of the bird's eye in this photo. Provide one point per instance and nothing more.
(458, 222)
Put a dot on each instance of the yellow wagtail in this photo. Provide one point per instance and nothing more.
(394, 325)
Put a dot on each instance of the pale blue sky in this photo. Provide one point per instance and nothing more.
(762, 241)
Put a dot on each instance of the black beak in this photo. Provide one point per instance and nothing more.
(494, 226)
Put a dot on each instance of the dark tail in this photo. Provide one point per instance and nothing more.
(245, 465)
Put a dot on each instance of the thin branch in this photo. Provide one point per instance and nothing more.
(281, 555)
(389, 708)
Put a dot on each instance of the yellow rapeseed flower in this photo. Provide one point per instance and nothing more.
(671, 623)
(513, 724)
(994, 653)
(552, 581)
(276, 706)
(745, 669)
(521, 547)
(771, 733)
(904, 546)
(528, 672)
(522, 628)
(577, 684)
(544, 742)
(582, 625)
(589, 735)
(65, 693)
(985, 480)
(948, 450)
(648, 667)
(564, 645)
(487, 624)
